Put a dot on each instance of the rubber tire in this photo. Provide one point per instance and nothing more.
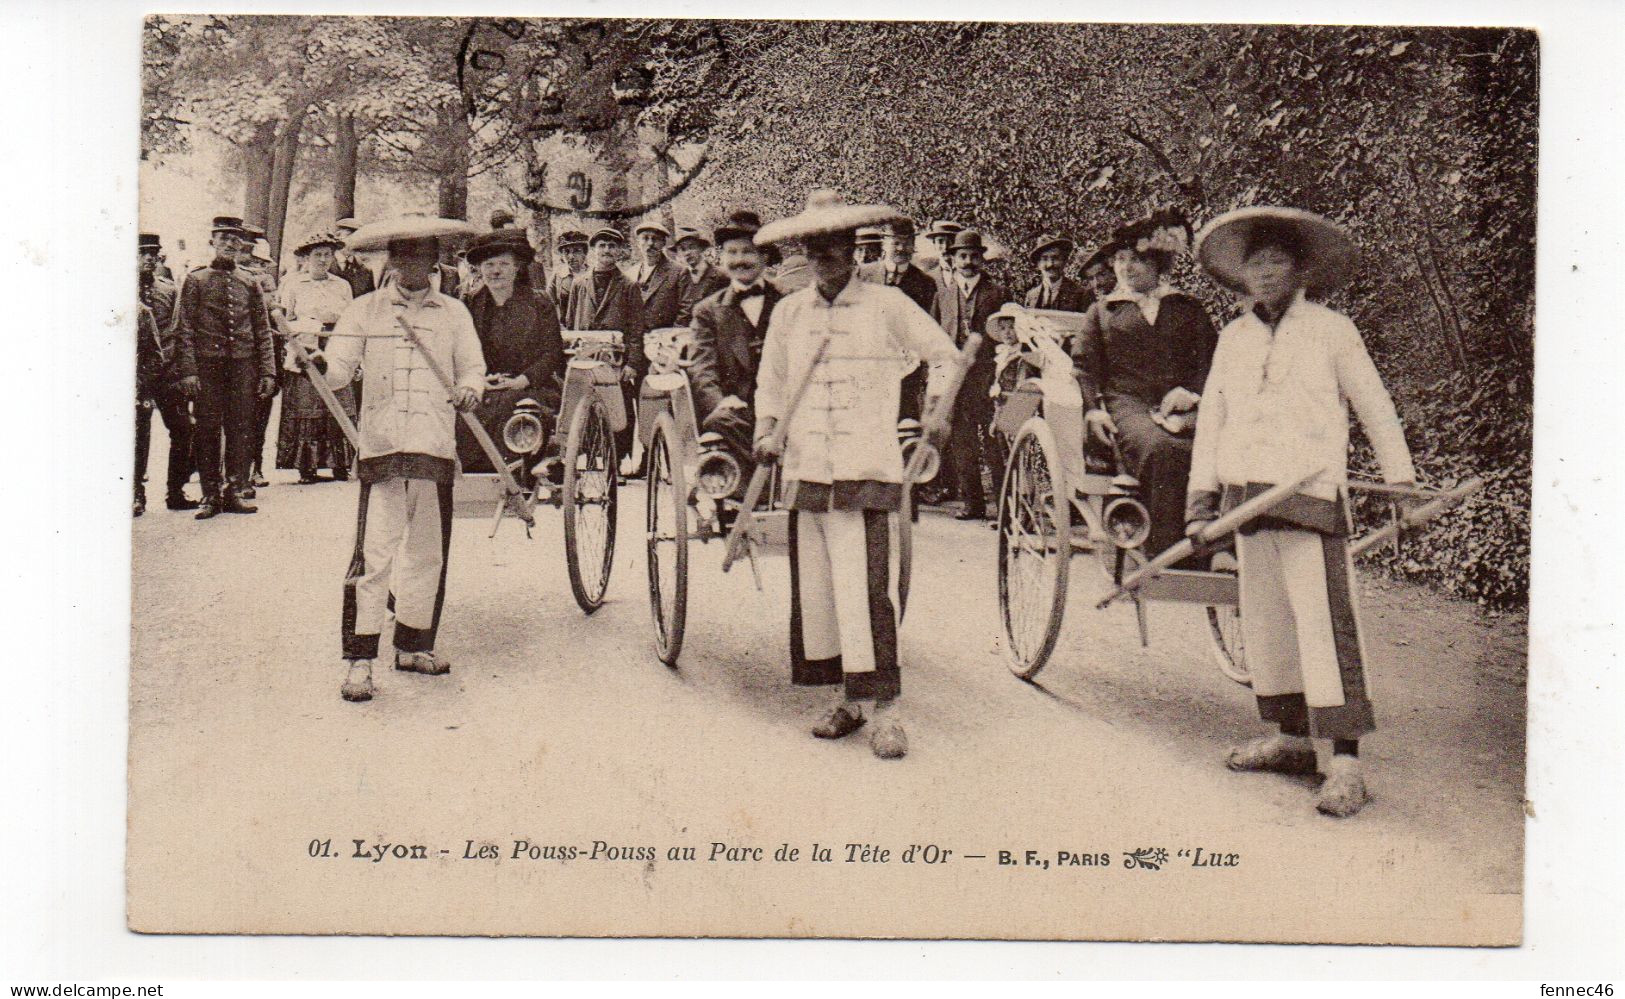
(668, 634)
(1035, 434)
(588, 409)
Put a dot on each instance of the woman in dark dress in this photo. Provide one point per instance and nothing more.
(1141, 360)
(519, 333)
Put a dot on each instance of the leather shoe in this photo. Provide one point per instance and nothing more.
(838, 723)
(972, 513)
(247, 492)
(180, 503)
(140, 506)
(206, 510)
(233, 503)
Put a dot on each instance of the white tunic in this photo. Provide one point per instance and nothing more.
(311, 304)
(846, 426)
(1276, 404)
(405, 409)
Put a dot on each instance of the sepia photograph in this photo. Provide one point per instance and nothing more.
(971, 480)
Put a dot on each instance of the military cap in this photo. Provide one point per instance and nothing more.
(148, 241)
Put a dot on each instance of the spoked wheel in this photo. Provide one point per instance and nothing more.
(1224, 631)
(590, 490)
(667, 523)
(1035, 547)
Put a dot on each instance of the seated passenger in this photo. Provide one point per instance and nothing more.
(1141, 360)
(729, 327)
(519, 335)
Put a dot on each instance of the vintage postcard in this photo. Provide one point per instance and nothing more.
(837, 479)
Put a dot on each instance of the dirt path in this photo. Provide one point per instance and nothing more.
(562, 729)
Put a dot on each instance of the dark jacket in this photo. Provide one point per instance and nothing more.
(621, 308)
(356, 272)
(1119, 354)
(916, 284)
(222, 314)
(662, 295)
(710, 282)
(521, 337)
(949, 309)
(1070, 296)
(149, 355)
(727, 349)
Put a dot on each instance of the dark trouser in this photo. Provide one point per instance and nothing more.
(843, 629)
(911, 398)
(171, 406)
(970, 444)
(227, 406)
(1162, 463)
(624, 436)
(737, 428)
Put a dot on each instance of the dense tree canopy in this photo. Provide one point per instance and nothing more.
(1421, 141)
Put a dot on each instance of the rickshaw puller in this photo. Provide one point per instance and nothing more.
(842, 461)
(1276, 402)
(408, 457)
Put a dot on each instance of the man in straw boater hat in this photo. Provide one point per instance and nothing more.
(729, 328)
(1055, 290)
(842, 460)
(227, 364)
(1274, 407)
(962, 307)
(408, 445)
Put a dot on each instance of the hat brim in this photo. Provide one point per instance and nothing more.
(650, 227)
(693, 237)
(378, 235)
(1329, 251)
(825, 222)
(522, 252)
(306, 247)
(1064, 243)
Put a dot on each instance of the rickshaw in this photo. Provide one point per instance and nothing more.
(1060, 497)
(581, 473)
(693, 486)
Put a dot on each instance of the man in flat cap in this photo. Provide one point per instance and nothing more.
(227, 364)
(605, 298)
(941, 235)
(661, 282)
(962, 307)
(869, 240)
(571, 248)
(842, 461)
(408, 455)
(703, 279)
(157, 383)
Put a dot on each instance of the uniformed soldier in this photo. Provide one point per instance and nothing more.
(156, 383)
(254, 261)
(227, 364)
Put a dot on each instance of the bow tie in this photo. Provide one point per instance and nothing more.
(753, 291)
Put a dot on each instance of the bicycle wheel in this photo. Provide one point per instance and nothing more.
(589, 500)
(1035, 548)
(667, 539)
(1224, 631)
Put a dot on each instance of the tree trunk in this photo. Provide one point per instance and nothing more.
(282, 164)
(453, 180)
(257, 154)
(346, 146)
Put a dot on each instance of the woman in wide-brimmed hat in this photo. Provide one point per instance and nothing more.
(308, 437)
(1275, 407)
(408, 456)
(842, 462)
(1142, 356)
(519, 336)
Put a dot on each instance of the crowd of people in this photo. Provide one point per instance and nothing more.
(839, 295)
